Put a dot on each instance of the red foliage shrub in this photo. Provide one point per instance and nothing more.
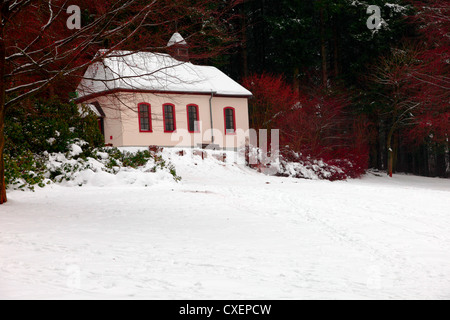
(271, 95)
(313, 125)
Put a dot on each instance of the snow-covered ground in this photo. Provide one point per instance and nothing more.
(227, 232)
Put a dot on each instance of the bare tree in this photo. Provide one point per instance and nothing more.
(410, 103)
(392, 73)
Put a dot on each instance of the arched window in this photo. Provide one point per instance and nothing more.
(193, 118)
(145, 117)
(169, 118)
(230, 120)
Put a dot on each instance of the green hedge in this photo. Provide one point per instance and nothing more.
(45, 126)
(49, 126)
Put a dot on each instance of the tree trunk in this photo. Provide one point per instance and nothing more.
(396, 151)
(390, 152)
(296, 79)
(264, 36)
(323, 49)
(3, 198)
(381, 145)
(447, 160)
(336, 46)
(390, 162)
(431, 160)
(244, 51)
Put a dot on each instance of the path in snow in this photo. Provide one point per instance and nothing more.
(227, 232)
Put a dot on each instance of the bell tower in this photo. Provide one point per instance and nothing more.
(178, 47)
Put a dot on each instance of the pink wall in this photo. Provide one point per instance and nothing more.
(122, 121)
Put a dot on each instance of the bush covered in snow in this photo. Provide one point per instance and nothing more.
(292, 164)
(54, 142)
(296, 165)
(25, 170)
(82, 165)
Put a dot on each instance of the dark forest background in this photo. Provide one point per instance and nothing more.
(383, 94)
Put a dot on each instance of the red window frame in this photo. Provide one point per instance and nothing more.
(174, 117)
(149, 117)
(198, 118)
(225, 120)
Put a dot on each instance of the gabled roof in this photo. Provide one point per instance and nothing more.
(97, 109)
(145, 71)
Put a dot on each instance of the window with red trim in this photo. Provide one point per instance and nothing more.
(169, 118)
(145, 117)
(230, 120)
(193, 118)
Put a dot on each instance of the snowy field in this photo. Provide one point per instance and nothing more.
(227, 232)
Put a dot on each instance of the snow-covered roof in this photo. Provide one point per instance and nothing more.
(145, 71)
(176, 39)
(94, 107)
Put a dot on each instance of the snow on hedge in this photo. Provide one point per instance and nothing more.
(83, 166)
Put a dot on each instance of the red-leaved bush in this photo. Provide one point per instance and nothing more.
(314, 126)
(271, 95)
